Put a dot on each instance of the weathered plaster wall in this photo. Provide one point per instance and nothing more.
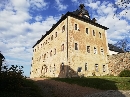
(50, 66)
(78, 58)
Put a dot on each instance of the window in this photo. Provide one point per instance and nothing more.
(96, 67)
(79, 69)
(52, 37)
(41, 45)
(76, 46)
(102, 52)
(87, 30)
(63, 28)
(100, 34)
(54, 51)
(44, 56)
(62, 47)
(93, 33)
(56, 34)
(35, 50)
(76, 27)
(88, 49)
(62, 66)
(50, 68)
(95, 50)
(103, 68)
(46, 41)
(51, 53)
(86, 67)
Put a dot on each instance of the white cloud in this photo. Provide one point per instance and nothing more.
(38, 4)
(17, 35)
(60, 6)
(38, 18)
(94, 5)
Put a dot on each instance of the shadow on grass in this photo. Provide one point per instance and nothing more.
(97, 83)
(52, 88)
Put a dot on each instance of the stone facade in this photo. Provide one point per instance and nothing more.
(118, 62)
(75, 45)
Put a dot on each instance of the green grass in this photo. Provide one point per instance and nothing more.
(29, 89)
(103, 83)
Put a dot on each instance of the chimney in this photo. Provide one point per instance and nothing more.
(62, 15)
(94, 20)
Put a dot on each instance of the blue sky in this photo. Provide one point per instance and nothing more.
(23, 22)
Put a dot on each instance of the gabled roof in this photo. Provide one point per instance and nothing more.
(74, 14)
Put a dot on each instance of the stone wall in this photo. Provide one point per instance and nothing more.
(118, 62)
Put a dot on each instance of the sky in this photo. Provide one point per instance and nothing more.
(23, 22)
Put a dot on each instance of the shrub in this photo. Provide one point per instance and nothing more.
(11, 78)
(125, 73)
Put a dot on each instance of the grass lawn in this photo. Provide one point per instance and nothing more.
(103, 83)
(29, 89)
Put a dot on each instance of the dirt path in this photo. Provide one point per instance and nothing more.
(51, 88)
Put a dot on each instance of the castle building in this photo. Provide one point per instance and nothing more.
(75, 45)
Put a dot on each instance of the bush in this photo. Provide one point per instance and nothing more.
(125, 73)
(11, 78)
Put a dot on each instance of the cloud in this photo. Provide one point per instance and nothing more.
(38, 18)
(38, 4)
(60, 6)
(17, 34)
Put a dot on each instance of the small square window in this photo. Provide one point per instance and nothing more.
(88, 49)
(87, 30)
(79, 69)
(76, 46)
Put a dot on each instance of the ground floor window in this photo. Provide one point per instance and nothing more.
(86, 67)
(79, 69)
(104, 68)
(62, 66)
(96, 67)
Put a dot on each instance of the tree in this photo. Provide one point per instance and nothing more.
(2, 58)
(123, 44)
